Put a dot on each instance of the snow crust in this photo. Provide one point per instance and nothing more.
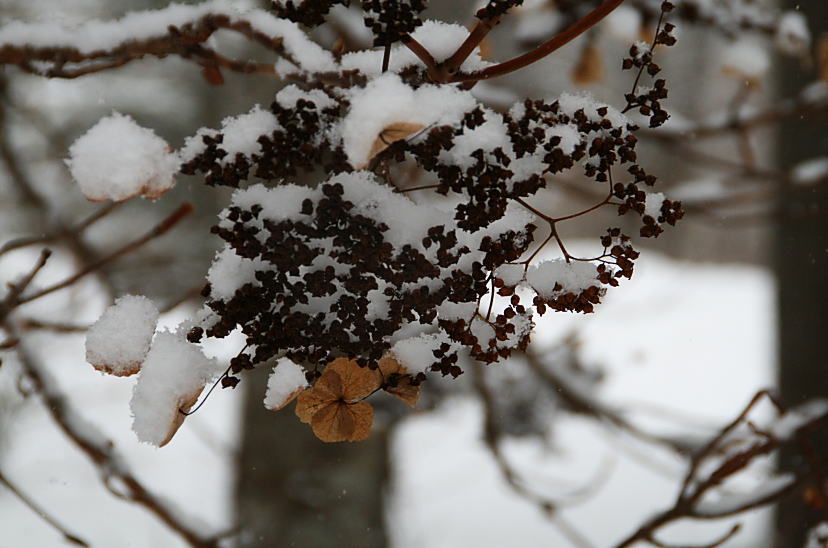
(241, 134)
(387, 100)
(286, 379)
(574, 277)
(173, 375)
(118, 159)
(747, 58)
(119, 341)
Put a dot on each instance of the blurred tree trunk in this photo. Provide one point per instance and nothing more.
(802, 271)
(294, 490)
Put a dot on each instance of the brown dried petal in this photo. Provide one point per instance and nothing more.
(590, 67)
(404, 390)
(391, 134)
(185, 403)
(340, 421)
(356, 382)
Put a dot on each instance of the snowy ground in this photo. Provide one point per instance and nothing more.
(680, 339)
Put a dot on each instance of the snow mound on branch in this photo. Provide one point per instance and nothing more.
(387, 100)
(119, 341)
(573, 277)
(118, 159)
(285, 382)
(172, 377)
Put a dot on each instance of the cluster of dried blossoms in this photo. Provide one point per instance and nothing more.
(364, 270)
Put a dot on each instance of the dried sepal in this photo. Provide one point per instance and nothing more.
(185, 403)
(390, 135)
(398, 382)
(340, 421)
(334, 407)
(590, 67)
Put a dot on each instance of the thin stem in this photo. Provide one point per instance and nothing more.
(159, 230)
(67, 536)
(423, 55)
(386, 57)
(631, 105)
(555, 43)
(475, 37)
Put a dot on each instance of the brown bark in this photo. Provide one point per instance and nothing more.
(802, 269)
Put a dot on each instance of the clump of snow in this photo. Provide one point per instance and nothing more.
(387, 100)
(573, 277)
(792, 34)
(417, 353)
(118, 159)
(172, 377)
(653, 203)
(119, 341)
(240, 135)
(570, 103)
(289, 95)
(285, 382)
(811, 171)
(231, 271)
(787, 425)
(818, 536)
(745, 58)
(511, 274)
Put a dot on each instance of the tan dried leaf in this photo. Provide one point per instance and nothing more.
(404, 390)
(590, 67)
(184, 404)
(333, 406)
(390, 135)
(342, 421)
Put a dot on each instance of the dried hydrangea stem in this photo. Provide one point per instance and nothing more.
(555, 43)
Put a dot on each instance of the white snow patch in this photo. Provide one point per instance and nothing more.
(119, 341)
(118, 159)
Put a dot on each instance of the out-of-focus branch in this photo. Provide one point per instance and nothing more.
(101, 452)
(809, 103)
(59, 231)
(580, 403)
(44, 515)
(551, 45)
(184, 40)
(159, 230)
(701, 479)
(491, 434)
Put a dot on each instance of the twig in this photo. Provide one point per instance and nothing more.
(159, 230)
(555, 43)
(492, 439)
(60, 231)
(100, 451)
(67, 536)
(580, 404)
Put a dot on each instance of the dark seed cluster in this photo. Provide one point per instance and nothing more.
(496, 8)
(299, 144)
(312, 300)
(490, 184)
(310, 13)
(390, 20)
